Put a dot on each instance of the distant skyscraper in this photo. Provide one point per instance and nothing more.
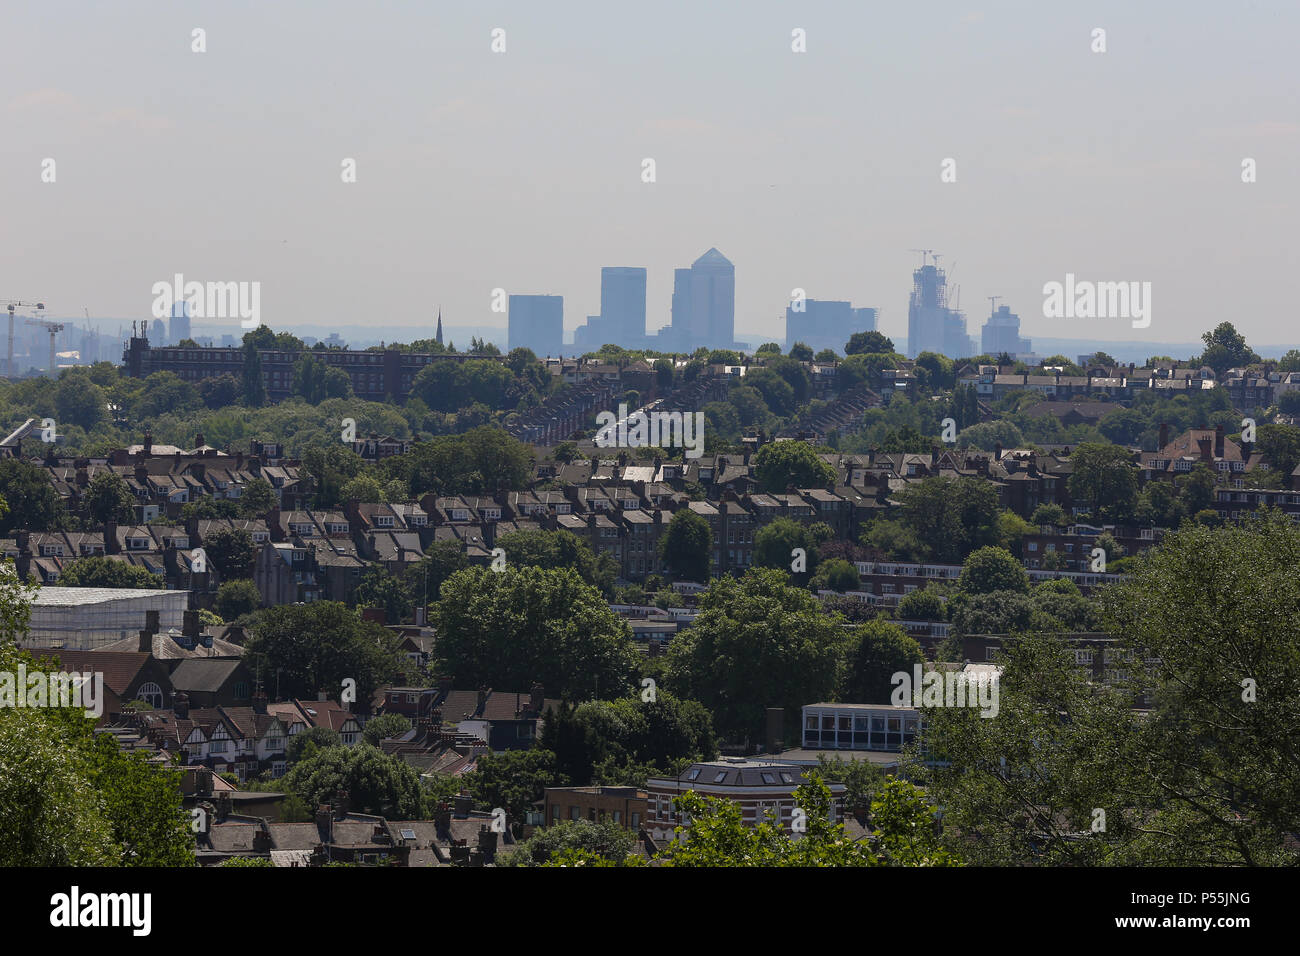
(1001, 333)
(622, 303)
(159, 333)
(180, 322)
(622, 311)
(931, 325)
(826, 324)
(704, 305)
(537, 322)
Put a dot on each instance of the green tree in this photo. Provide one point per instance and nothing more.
(32, 502)
(510, 629)
(96, 572)
(992, 569)
(775, 544)
(374, 781)
(69, 796)
(757, 643)
(109, 499)
(513, 781)
(257, 498)
(384, 726)
(237, 598)
(1052, 514)
(923, 604)
(560, 549)
(220, 391)
(309, 379)
(628, 733)
(1105, 478)
(1226, 348)
(905, 833)
(315, 647)
(603, 838)
(863, 342)
(951, 516)
(780, 465)
(861, 778)
(836, 575)
(254, 388)
(687, 546)
(1280, 446)
(1197, 489)
(378, 588)
(79, 401)
(883, 649)
(231, 551)
(440, 561)
(310, 741)
(483, 460)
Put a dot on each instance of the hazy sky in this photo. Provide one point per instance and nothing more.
(522, 170)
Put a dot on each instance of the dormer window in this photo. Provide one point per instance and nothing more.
(383, 521)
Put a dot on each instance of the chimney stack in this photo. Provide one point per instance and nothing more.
(1164, 436)
(1218, 441)
(181, 705)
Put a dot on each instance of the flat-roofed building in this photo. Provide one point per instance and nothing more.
(761, 788)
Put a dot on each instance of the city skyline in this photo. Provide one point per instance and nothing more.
(816, 170)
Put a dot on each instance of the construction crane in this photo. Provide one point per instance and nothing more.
(993, 303)
(16, 304)
(923, 252)
(55, 328)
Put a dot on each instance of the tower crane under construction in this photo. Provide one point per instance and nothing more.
(55, 328)
(14, 304)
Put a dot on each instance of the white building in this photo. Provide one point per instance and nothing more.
(88, 618)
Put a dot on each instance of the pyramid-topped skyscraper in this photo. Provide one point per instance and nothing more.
(704, 306)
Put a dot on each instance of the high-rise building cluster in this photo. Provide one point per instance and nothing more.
(703, 309)
(704, 315)
(932, 326)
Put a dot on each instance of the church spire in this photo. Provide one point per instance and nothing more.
(438, 337)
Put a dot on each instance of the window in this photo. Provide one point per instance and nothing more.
(720, 776)
(575, 813)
